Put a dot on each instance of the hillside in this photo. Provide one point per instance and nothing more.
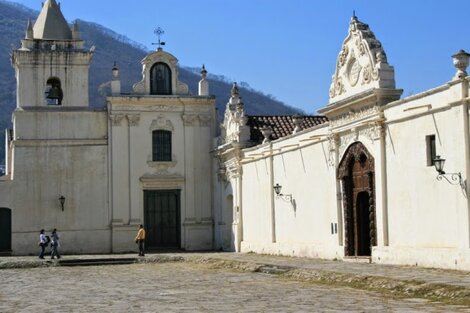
(110, 47)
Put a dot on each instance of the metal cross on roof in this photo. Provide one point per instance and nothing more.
(159, 32)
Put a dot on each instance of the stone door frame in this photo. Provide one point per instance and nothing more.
(357, 152)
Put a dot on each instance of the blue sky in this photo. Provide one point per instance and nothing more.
(288, 48)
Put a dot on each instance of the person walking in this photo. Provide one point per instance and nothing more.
(55, 244)
(42, 243)
(140, 239)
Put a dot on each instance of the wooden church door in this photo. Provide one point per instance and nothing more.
(357, 174)
(162, 218)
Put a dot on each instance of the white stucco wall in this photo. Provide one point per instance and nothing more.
(191, 120)
(419, 219)
(302, 227)
(48, 163)
(428, 219)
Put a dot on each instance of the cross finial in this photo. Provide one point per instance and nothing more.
(159, 32)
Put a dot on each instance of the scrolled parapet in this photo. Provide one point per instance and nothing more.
(182, 88)
(361, 64)
(139, 87)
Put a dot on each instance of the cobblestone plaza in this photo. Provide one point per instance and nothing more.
(185, 287)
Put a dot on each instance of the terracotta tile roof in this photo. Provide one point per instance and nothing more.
(281, 125)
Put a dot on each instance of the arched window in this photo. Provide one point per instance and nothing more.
(160, 79)
(161, 145)
(54, 94)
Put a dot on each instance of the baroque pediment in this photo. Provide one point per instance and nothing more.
(160, 56)
(361, 64)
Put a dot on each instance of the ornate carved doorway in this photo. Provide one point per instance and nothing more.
(357, 173)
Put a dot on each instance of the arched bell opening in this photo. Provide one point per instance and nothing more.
(54, 94)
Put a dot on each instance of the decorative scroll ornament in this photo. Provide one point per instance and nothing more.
(360, 46)
(355, 115)
(366, 75)
(361, 62)
(333, 143)
(354, 70)
(343, 56)
(235, 127)
(161, 123)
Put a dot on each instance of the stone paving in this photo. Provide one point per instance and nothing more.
(438, 276)
(177, 276)
(184, 287)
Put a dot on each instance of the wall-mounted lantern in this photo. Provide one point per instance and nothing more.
(62, 202)
(452, 178)
(277, 190)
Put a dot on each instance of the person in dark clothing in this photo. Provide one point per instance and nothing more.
(55, 244)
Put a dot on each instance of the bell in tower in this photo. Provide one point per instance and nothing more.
(53, 92)
(52, 63)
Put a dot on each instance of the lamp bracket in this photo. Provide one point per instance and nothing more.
(454, 179)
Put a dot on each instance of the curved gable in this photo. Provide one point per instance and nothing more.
(160, 56)
(361, 64)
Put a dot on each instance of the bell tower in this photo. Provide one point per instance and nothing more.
(52, 65)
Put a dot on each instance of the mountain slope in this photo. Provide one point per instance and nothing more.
(110, 47)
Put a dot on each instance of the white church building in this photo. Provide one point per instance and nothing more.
(364, 181)
(95, 175)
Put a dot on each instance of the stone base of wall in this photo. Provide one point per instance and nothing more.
(198, 237)
(71, 242)
(449, 258)
(294, 249)
(123, 238)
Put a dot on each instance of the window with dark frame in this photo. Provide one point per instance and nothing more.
(430, 149)
(161, 145)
